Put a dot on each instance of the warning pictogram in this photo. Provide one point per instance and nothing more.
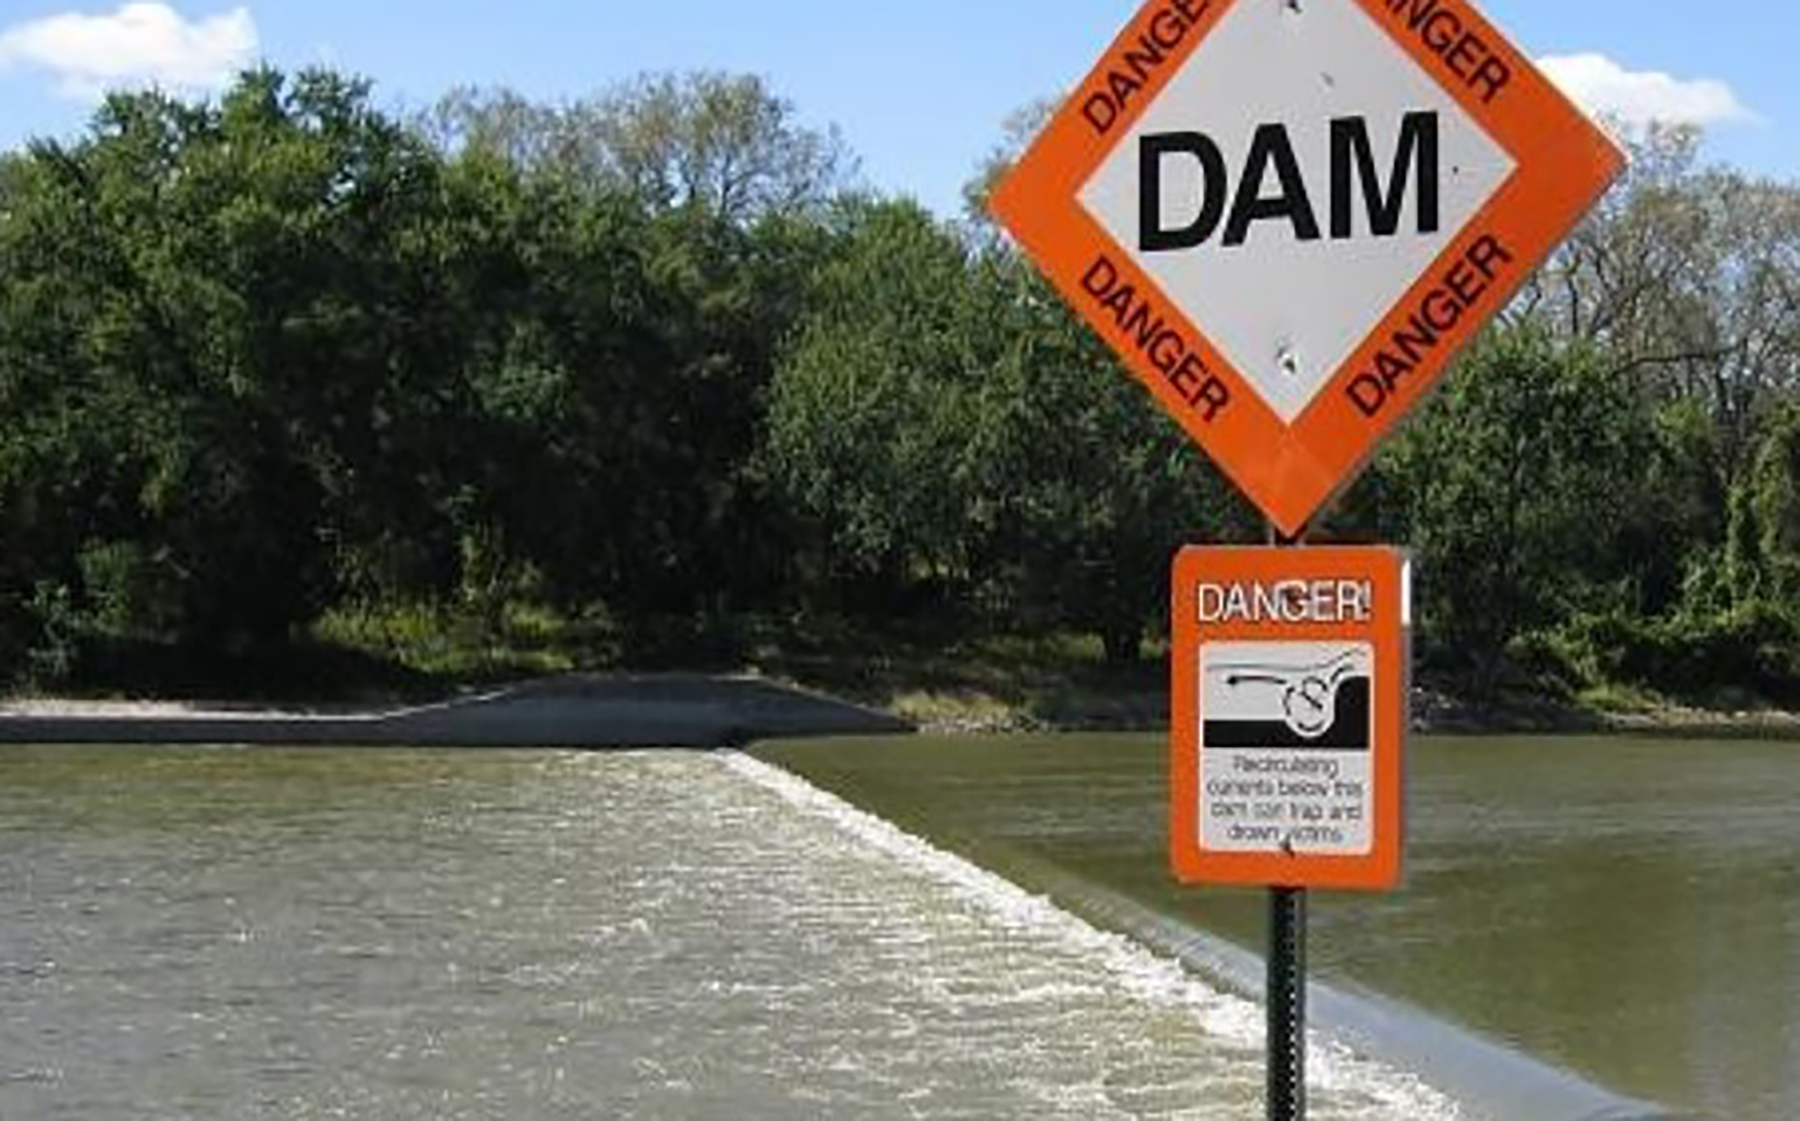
(1286, 736)
(1289, 215)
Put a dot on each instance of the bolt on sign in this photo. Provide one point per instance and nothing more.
(1289, 215)
(1289, 710)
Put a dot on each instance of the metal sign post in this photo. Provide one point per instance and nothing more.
(1284, 981)
(1286, 1001)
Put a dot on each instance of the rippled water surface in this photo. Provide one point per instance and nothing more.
(1628, 909)
(267, 934)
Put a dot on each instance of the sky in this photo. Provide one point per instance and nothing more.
(920, 88)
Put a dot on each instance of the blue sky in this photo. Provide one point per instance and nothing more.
(919, 87)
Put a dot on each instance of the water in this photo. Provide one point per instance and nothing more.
(1628, 909)
(313, 934)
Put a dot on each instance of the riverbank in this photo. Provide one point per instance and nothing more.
(943, 673)
(933, 677)
(698, 709)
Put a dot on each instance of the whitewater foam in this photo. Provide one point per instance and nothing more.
(1386, 1091)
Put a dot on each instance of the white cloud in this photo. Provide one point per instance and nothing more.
(1640, 98)
(141, 43)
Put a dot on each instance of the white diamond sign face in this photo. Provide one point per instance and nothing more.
(1287, 216)
(1374, 169)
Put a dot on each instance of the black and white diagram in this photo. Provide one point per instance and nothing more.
(1285, 735)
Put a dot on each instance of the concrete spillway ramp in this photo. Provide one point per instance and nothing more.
(1489, 1081)
(577, 711)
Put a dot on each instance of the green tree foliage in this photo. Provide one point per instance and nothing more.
(945, 420)
(627, 396)
(1683, 283)
(683, 219)
(1774, 503)
(1510, 489)
(1101, 488)
(882, 412)
(279, 352)
(647, 355)
(211, 335)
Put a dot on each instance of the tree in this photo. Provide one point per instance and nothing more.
(1685, 277)
(245, 359)
(1510, 486)
(1101, 489)
(723, 144)
(943, 419)
(881, 411)
(1017, 132)
(1773, 505)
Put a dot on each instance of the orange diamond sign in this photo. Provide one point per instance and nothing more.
(1289, 215)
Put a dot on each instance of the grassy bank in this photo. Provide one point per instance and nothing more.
(939, 674)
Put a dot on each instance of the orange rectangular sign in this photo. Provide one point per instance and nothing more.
(1289, 712)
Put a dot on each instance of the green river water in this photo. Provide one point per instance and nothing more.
(1626, 909)
(267, 934)
(289, 934)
